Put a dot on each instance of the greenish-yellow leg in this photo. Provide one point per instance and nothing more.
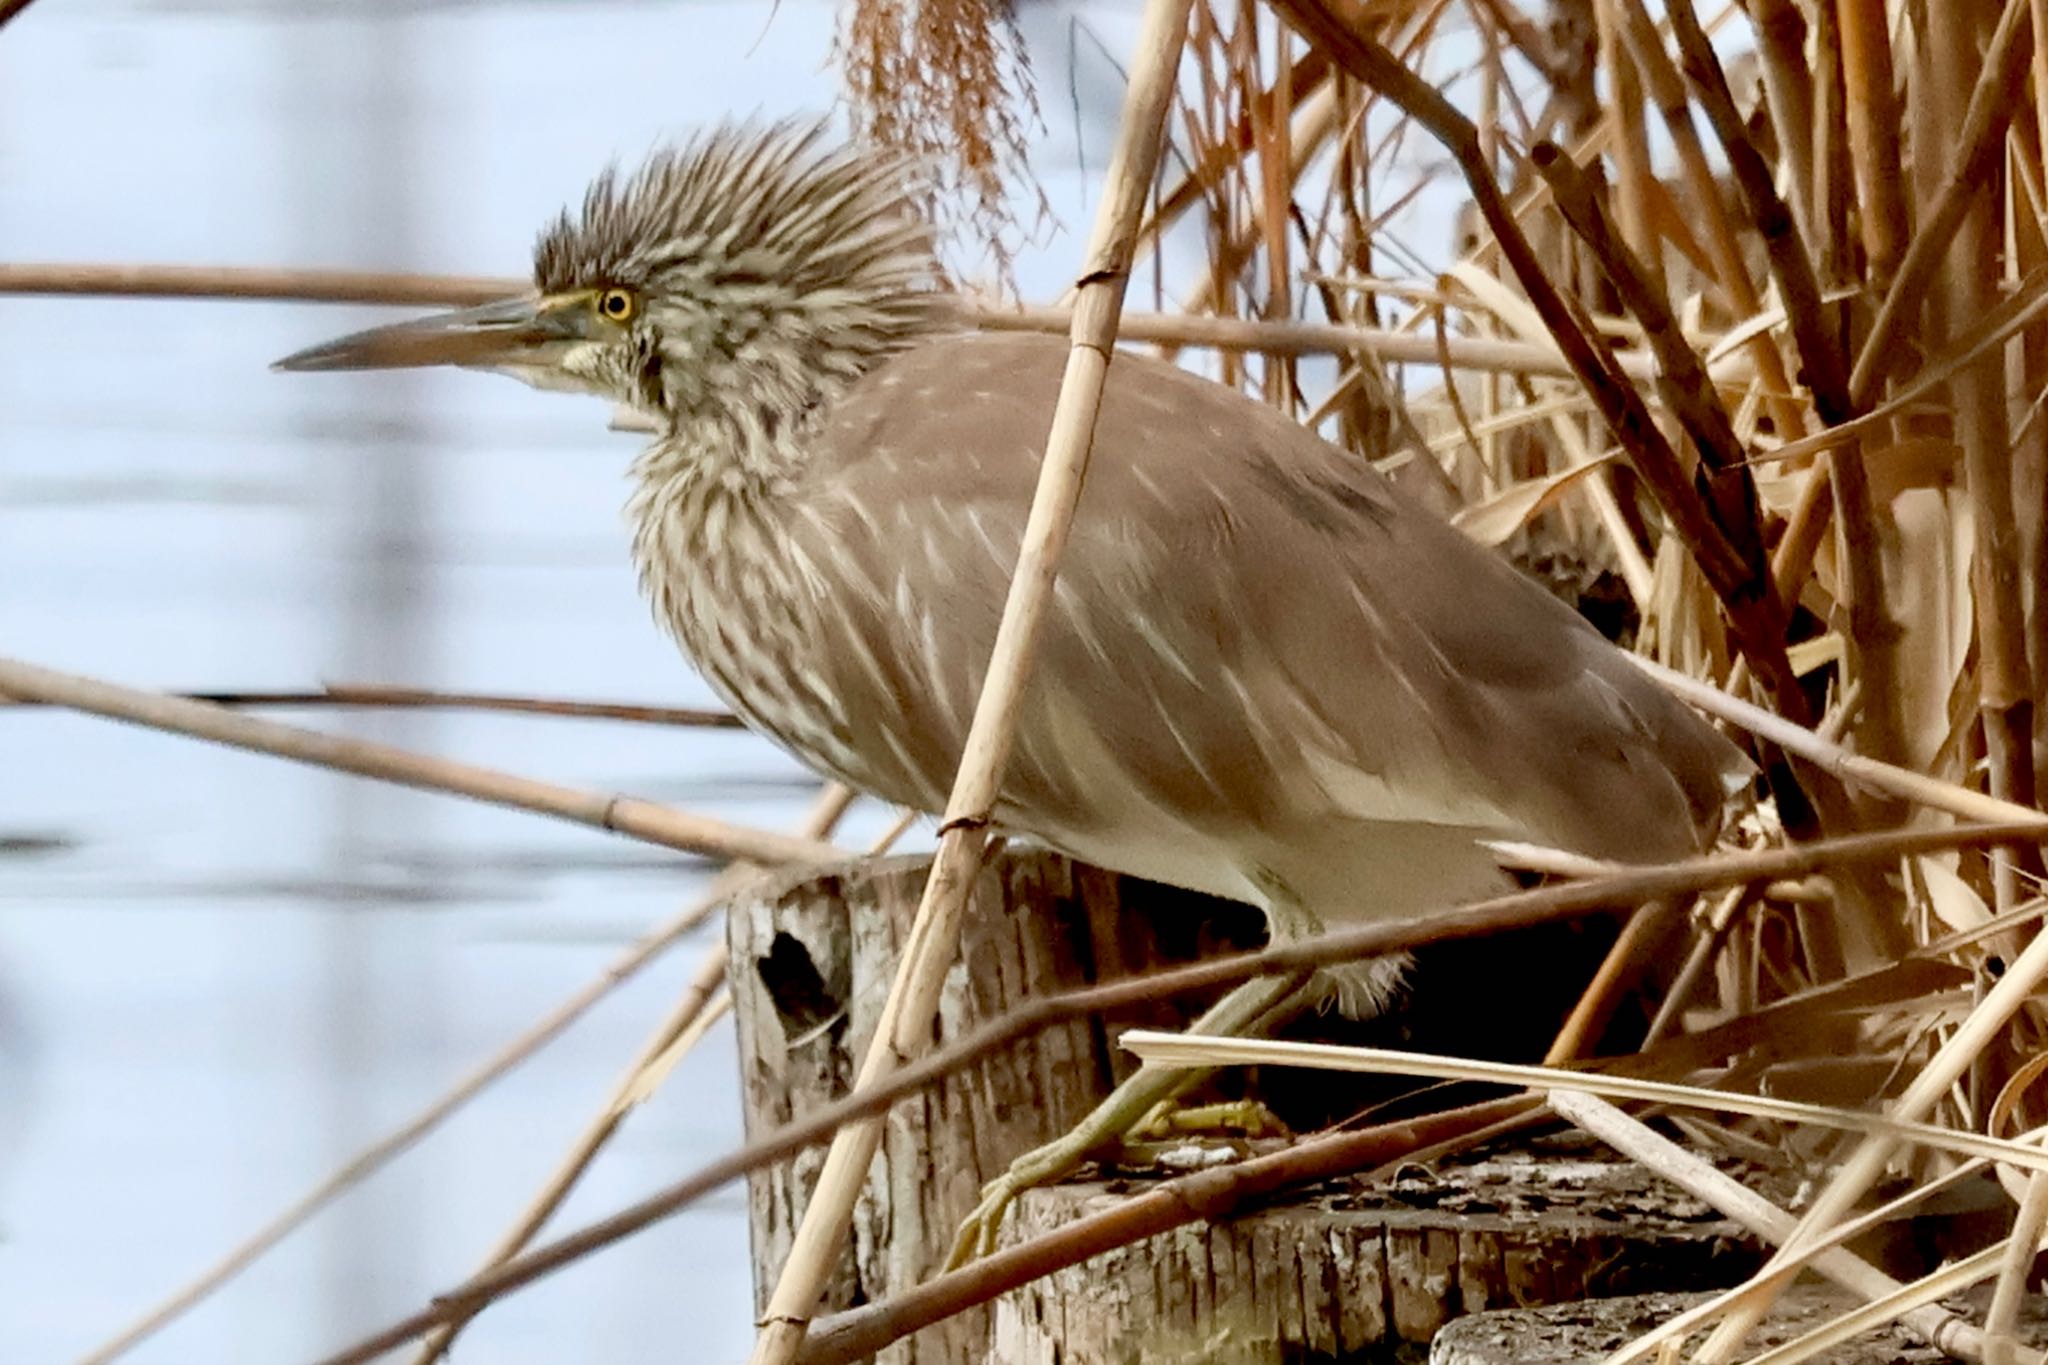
(1258, 1006)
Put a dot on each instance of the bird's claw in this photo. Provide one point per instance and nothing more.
(977, 1234)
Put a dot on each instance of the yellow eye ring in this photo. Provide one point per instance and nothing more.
(617, 305)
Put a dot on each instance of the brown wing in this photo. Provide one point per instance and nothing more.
(1251, 623)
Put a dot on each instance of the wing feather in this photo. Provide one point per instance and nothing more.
(1255, 625)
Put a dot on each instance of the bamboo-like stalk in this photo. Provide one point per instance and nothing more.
(1729, 489)
(929, 947)
(385, 696)
(2022, 1247)
(824, 814)
(646, 821)
(1980, 142)
(1872, 109)
(1709, 209)
(2005, 691)
(1788, 89)
(1544, 905)
(1873, 635)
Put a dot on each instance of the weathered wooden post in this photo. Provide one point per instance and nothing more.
(1345, 1269)
(811, 964)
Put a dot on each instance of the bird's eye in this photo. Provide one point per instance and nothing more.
(618, 305)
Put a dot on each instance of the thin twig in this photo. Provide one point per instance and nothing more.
(257, 282)
(1173, 329)
(824, 814)
(390, 697)
(646, 821)
(1848, 767)
(1544, 905)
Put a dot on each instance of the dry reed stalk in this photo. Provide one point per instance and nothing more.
(671, 1038)
(1872, 634)
(387, 696)
(246, 282)
(1788, 89)
(1862, 1169)
(1308, 78)
(1541, 906)
(1683, 383)
(1937, 1327)
(1169, 329)
(1752, 605)
(1635, 180)
(2005, 692)
(1979, 143)
(645, 821)
(903, 1030)
(824, 814)
(1620, 969)
(2022, 1247)
(1709, 207)
(1849, 768)
(1873, 121)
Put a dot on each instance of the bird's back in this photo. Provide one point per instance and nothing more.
(1261, 657)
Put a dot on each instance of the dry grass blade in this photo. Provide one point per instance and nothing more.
(1939, 1328)
(1200, 1050)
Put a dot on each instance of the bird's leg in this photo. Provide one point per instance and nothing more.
(1258, 1006)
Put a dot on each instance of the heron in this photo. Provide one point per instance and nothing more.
(1267, 674)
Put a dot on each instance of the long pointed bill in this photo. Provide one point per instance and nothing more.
(512, 332)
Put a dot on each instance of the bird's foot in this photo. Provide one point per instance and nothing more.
(1175, 1137)
(1169, 1122)
(1256, 1005)
(1040, 1166)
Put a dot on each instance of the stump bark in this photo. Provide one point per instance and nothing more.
(812, 962)
(1587, 1333)
(1355, 1270)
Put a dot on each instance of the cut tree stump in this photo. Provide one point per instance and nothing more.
(1587, 1333)
(813, 959)
(1353, 1271)
(812, 962)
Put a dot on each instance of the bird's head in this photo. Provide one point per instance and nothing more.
(738, 278)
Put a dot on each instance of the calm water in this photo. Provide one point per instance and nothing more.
(220, 975)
